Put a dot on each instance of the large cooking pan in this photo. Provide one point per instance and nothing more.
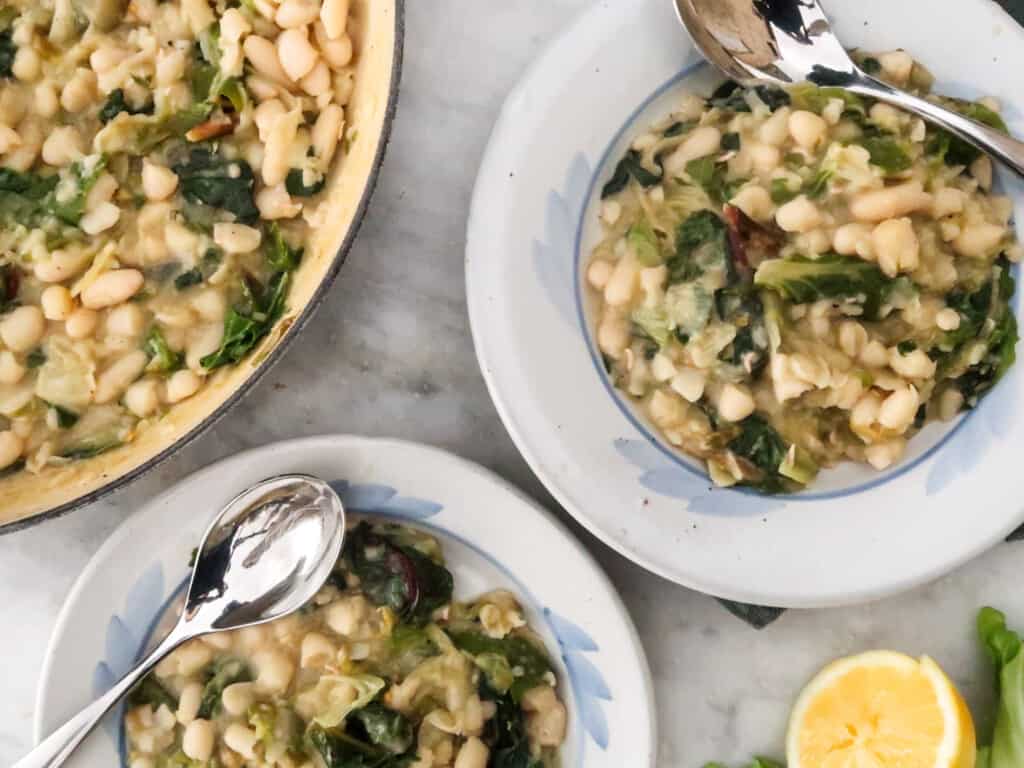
(26, 499)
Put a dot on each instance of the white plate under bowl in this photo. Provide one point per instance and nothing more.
(857, 535)
(492, 537)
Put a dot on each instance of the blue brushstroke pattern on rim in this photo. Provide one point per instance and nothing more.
(562, 283)
(130, 632)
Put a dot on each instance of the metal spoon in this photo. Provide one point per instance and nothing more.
(264, 556)
(791, 41)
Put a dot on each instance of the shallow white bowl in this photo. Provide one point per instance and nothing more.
(857, 535)
(492, 536)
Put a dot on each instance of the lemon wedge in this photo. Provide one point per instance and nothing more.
(881, 710)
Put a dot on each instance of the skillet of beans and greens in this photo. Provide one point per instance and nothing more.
(787, 279)
(381, 670)
(161, 167)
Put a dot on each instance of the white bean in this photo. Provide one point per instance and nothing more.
(337, 53)
(198, 15)
(79, 91)
(277, 153)
(978, 240)
(11, 371)
(236, 238)
(158, 181)
(846, 238)
(700, 142)
(188, 703)
(735, 403)
(56, 302)
(197, 741)
(334, 15)
(126, 320)
(100, 219)
(874, 354)
(852, 338)
(141, 398)
(913, 365)
(240, 739)
(296, 55)
(11, 447)
(754, 201)
(27, 64)
(798, 215)
(947, 319)
(316, 651)
(890, 202)
(237, 698)
(62, 265)
(62, 147)
(181, 386)
(689, 383)
(896, 246)
(263, 55)
(898, 409)
(622, 284)
(275, 203)
(294, 14)
(473, 754)
(325, 134)
(807, 129)
(46, 101)
(775, 130)
(81, 323)
(885, 454)
(897, 66)
(318, 81)
(116, 378)
(112, 288)
(23, 328)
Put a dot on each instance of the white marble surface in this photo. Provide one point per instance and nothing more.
(399, 362)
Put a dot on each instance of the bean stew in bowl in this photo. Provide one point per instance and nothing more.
(179, 182)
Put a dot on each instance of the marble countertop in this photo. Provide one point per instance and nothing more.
(401, 364)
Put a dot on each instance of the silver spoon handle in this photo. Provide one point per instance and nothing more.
(58, 746)
(1004, 148)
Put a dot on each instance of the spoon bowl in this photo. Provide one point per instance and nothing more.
(263, 557)
(783, 42)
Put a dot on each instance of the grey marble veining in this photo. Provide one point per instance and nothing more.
(390, 354)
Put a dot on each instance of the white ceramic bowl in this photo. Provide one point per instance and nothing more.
(857, 534)
(492, 536)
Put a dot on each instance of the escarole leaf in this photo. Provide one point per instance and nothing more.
(210, 179)
(337, 749)
(1003, 647)
(702, 245)
(333, 694)
(385, 727)
(244, 329)
(802, 280)
(629, 167)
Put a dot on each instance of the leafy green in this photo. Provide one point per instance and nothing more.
(35, 358)
(702, 244)
(116, 104)
(339, 750)
(220, 675)
(34, 200)
(630, 166)
(10, 285)
(952, 150)
(295, 184)
(802, 280)
(529, 663)
(151, 692)
(644, 242)
(198, 274)
(1003, 647)
(280, 255)
(505, 733)
(779, 464)
(742, 308)
(162, 359)
(409, 647)
(66, 418)
(244, 329)
(814, 99)
(679, 128)
(8, 50)
(730, 141)
(985, 317)
(782, 192)
(731, 96)
(397, 576)
(87, 449)
(887, 153)
(757, 762)
(385, 727)
(871, 65)
(817, 185)
(212, 180)
(710, 175)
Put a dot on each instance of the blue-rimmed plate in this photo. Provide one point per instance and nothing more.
(858, 534)
(493, 537)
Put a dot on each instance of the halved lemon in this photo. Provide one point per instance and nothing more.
(881, 710)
